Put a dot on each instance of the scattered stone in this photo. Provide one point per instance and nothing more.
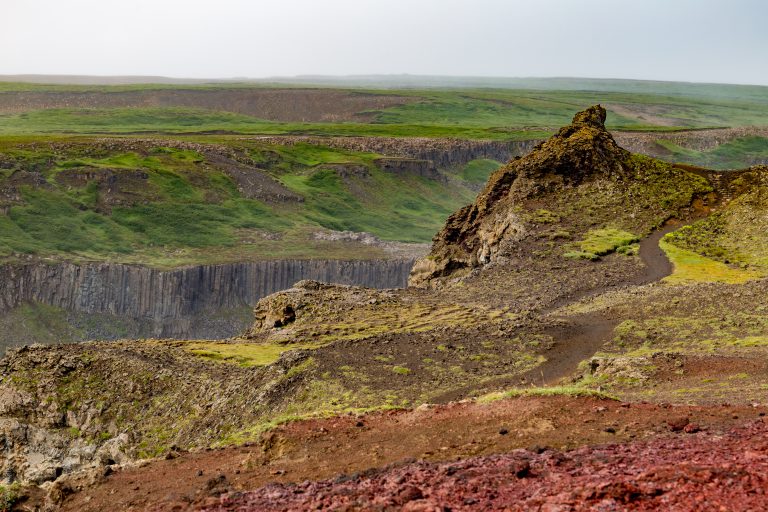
(691, 428)
(409, 493)
(678, 424)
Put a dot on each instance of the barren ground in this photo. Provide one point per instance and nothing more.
(325, 448)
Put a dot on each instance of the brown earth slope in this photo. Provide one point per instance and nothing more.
(353, 444)
(703, 472)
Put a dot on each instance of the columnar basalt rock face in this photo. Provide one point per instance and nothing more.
(170, 300)
(409, 167)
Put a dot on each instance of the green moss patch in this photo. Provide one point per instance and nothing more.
(600, 242)
(478, 171)
(690, 267)
(242, 354)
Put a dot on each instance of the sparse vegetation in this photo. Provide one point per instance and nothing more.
(242, 354)
(575, 391)
(401, 370)
(600, 242)
(545, 217)
(9, 495)
(692, 267)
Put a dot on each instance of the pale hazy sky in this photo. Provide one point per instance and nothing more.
(695, 40)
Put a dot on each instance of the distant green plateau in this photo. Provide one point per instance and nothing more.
(479, 113)
(188, 210)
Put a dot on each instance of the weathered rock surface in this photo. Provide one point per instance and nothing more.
(409, 167)
(252, 182)
(168, 303)
(305, 298)
(70, 413)
(472, 236)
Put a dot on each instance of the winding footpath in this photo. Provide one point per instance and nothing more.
(579, 338)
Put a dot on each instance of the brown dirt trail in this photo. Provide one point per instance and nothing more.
(583, 336)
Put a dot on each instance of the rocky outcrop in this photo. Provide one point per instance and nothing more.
(114, 187)
(169, 303)
(472, 236)
(10, 189)
(36, 455)
(305, 299)
(253, 183)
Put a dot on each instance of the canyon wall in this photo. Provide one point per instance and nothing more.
(697, 140)
(443, 153)
(182, 303)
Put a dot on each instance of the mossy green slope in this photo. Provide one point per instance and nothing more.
(150, 203)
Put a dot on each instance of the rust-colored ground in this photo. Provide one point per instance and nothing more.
(701, 472)
(326, 448)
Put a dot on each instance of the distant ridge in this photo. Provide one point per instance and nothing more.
(103, 80)
(406, 81)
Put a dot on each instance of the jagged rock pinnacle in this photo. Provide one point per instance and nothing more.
(471, 236)
(593, 116)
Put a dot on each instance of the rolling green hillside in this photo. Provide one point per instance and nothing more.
(130, 201)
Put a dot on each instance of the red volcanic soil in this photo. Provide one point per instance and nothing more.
(320, 449)
(695, 472)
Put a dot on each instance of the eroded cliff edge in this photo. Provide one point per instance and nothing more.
(193, 302)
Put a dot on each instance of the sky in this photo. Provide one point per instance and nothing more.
(721, 41)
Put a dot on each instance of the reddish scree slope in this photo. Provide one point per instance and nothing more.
(696, 472)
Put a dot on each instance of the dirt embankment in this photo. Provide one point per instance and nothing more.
(697, 472)
(350, 445)
(288, 105)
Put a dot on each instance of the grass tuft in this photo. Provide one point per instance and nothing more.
(242, 354)
(605, 241)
